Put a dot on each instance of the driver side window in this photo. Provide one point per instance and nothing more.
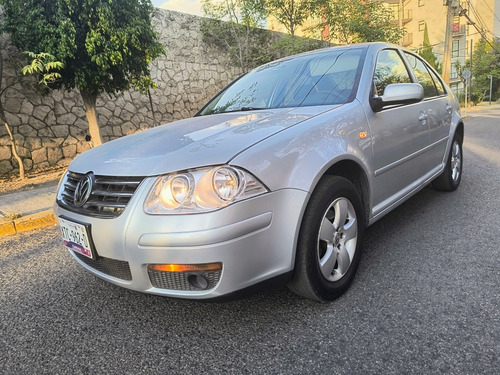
(390, 68)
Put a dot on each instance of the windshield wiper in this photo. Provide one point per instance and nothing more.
(242, 109)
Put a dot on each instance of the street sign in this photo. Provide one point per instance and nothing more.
(466, 74)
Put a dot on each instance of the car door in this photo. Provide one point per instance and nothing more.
(438, 109)
(400, 135)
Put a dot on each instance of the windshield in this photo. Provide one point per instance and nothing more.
(307, 80)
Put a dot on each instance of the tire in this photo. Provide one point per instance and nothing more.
(452, 174)
(330, 241)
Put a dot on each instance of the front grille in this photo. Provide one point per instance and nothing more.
(112, 267)
(109, 197)
(179, 280)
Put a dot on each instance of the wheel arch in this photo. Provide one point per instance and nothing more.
(352, 171)
(340, 181)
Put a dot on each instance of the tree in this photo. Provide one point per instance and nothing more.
(292, 45)
(459, 69)
(486, 62)
(104, 45)
(356, 21)
(290, 13)
(426, 52)
(230, 25)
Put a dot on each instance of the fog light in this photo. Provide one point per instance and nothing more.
(192, 277)
(185, 267)
(198, 281)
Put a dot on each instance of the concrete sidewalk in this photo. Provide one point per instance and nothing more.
(28, 209)
(483, 106)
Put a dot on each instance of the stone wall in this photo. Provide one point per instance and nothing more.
(51, 130)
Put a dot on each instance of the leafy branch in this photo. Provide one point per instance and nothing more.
(43, 64)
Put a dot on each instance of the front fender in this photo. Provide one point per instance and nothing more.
(299, 156)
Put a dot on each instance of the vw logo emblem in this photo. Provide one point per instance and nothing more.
(83, 190)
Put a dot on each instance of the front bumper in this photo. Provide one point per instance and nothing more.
(254, 240)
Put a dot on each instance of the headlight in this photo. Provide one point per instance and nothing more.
(175, 191)
(201, 190)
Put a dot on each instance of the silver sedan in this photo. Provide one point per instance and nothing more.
(273, 182)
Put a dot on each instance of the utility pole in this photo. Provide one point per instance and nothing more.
(452, 10)
(470, 64)
(401, 14)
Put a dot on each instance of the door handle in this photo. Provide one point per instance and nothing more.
(448, 108)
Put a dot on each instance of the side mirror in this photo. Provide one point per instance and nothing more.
(398, 93)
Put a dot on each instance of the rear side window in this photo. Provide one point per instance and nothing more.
(438, 82)
(390, 69)
(431, 88)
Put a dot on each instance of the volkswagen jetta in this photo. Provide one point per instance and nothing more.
(273, 181)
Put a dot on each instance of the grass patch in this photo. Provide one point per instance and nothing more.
(12, 216)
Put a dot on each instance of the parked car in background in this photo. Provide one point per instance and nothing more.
(272, 182)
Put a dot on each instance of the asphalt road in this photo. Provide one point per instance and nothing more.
(426, 300)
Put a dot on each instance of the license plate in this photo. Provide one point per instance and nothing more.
(76, 237)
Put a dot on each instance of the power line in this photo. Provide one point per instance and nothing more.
(479, 20)
(476, 14)
(491, 10)
(463, 12)
(478, 17)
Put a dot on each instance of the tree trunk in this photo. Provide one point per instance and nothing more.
(155, 123)
(90, 101)
(4, 118)
(14, 152)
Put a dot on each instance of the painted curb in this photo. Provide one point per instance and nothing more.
(27, 223)
(7, 228)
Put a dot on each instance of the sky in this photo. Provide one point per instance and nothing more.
(184, 6)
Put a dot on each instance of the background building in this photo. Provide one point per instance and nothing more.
(474, 19)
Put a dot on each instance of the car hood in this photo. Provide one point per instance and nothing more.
(190, 143)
